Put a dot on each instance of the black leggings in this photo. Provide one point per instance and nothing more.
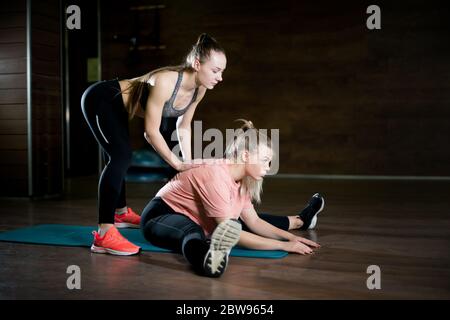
(103, 108)
(105, 113)
(165, 228)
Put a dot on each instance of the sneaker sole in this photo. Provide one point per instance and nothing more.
(120, 225)
(313, 223)
(224, 238)
(96, 249)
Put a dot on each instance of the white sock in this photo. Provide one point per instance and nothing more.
(102, 231)
(122, 210)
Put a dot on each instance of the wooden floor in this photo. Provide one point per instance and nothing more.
(402, 227)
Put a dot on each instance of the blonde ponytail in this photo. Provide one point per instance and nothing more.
(247, 138)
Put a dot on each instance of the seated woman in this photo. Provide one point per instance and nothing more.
(197, 213)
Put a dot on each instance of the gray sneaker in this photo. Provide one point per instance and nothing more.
(224, 238)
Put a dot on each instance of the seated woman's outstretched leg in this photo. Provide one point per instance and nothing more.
(168, 229)
(306, 219)
(282, 222)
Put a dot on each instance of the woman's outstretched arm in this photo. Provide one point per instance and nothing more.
(256, 242)
(265, 236)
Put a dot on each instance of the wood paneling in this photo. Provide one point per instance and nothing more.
(13, 127)
(12, 96)
(13, 65)
(346, 100)
(12, 20)
(12, 81)
(13, 35)
(13, 142)
(12, 50)
(46, 97)
(13, 112)
(13, 157)
(46, 115)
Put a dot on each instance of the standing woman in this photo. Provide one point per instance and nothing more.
(166, 98)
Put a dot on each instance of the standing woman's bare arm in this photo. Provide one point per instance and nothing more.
(184, 127)
(159, 94)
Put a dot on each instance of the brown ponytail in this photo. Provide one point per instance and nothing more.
(247, 124)
(202, 50)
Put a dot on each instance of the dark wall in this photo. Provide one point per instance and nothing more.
(46, 100)
(46, 129)
(131, 46)
(347, 100)
(81, 150)
(13, 103)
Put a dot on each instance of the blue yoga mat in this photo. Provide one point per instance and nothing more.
(81, 236)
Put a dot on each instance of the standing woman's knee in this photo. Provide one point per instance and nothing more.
(122, 157)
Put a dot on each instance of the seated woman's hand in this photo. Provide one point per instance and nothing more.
(300, 245)
(296, 247)
(307, 242)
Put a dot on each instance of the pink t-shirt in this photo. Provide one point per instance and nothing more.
(204, 193)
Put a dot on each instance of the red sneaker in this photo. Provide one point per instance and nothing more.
(114, 243)
(127, 220)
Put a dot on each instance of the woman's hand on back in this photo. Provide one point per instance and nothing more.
(186, 165)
